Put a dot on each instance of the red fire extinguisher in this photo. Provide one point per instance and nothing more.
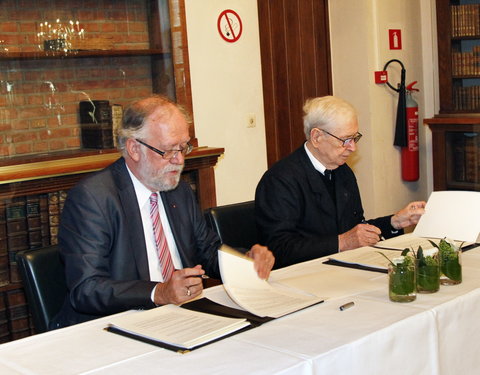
(410, 170)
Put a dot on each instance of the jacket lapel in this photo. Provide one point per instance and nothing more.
(317, 185)
(131, 213)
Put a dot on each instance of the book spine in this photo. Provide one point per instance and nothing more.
(117, 115)
(18, 314)
(44, 226)
(33, 222)
(4, 330)
(17, 233)
(4, 272)
(53, 216)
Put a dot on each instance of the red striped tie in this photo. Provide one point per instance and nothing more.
(164, 256)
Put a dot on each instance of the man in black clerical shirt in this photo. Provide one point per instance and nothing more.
(308, 204)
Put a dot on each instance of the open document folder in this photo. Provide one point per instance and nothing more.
(175, 328)
(255, 295)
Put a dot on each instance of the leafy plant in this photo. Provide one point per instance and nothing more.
(449, 258)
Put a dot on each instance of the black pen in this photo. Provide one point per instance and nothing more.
(347, 306)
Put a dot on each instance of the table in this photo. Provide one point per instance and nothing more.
(436, 334)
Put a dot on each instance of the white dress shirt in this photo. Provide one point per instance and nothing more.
(316, 164)
(143, 199)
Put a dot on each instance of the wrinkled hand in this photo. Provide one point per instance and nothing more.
(358, 236)
(263, 260)
(409, 215)
(184, 285)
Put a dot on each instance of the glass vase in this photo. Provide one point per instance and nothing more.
(450, 267)
(427, 274)
(401, 281)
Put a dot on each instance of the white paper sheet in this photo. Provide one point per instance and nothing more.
(453, 214)
(254, 294)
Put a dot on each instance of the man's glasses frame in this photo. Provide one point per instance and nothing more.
(345, 141)
(169, 154)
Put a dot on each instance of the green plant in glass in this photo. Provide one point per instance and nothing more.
(401, 278)
(450, 261)
(427, 270)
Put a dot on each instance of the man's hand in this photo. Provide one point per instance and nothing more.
(263, 260)
(184, 285)
(358, 236)
(409, 215)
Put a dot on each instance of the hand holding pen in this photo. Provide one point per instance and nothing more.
(362, 234)
(184, 285)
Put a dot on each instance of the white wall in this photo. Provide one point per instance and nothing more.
(359, 42)
(226, 86)
(226, 89)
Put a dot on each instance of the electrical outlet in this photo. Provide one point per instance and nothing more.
(251, 120)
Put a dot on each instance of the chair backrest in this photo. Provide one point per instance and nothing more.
(44, 281)
(234, 223)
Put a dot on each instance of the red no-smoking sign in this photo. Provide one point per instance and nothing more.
(229, 25)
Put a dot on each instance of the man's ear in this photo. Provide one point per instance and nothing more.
(133, 149)
(315, 135)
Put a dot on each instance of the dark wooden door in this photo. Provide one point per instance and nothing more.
(295, 52)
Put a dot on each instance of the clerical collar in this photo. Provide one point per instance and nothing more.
(316, 164)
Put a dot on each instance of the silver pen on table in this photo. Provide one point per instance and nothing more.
(347, 306)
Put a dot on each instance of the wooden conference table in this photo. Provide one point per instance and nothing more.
(436, 334)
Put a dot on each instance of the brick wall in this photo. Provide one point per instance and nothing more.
(39, 96)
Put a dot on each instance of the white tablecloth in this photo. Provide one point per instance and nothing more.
(436, 334)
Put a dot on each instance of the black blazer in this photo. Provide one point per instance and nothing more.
(296, 216)
(103, 246)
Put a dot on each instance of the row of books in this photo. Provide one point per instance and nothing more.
(466, 157)
(465, 20)
(466, 98)
(15, 319)
(27, 222)
(466, 63)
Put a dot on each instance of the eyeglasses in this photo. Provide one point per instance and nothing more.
(169, 154)
(345, 141)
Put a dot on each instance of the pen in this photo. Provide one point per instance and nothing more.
(202, 276)
(381, 236)
(347, 306)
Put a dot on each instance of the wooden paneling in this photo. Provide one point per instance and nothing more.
(295, 54)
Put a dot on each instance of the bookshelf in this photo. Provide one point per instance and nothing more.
(456, 129)
(459, 56)
(41, 151)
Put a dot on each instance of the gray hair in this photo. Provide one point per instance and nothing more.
(136, 115)
(326, 113)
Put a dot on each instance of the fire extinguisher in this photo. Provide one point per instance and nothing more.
(410, 170)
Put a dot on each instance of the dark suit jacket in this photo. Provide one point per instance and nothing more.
(297, 218)
(103, 246)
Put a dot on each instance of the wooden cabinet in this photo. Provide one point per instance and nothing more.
(41, 154)
(458, 24)
(456, 129)
(456, 152)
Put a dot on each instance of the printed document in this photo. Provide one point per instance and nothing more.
(176, 326)
(254, 294)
